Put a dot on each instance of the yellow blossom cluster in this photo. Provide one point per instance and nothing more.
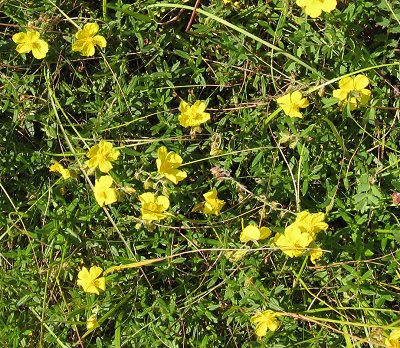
(100, 156)
(86, 41)
(298, 236)
(153, 207)
(297, 239)
(168, 162)
(352, 91)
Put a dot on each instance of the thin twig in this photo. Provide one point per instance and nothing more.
(192, 16)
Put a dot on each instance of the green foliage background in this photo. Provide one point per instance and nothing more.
(335, 161)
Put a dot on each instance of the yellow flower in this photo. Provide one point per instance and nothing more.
(252, 232)
(315, 254)
(87, 40)
(311, 223)
(90, 281)
(265, 321)
(192, 115)
(394, 339)
(100, 155)
(152, 207)
(212, 205)
(314, 8)
(167, 164)
(103, 192)
(92, 322)
(292, 102)
(352, 90)
(293, 241)
(57, 167)
(30, 41)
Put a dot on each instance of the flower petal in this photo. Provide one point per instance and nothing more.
(40, 49)
(295, 97)
(95, 271)
(105, 181)
(105, 166)
(101, 283)
(19, 38)
(199, 106)
(183, 106)
(163, 202)
(83, 273)
(250, 232)
(91, 29)
(302, 3)
(341, 94)
(210, 195)
(162, 153)
(88, 50)
(175, 175)
(360, 82)
(313, 11)
(147, 197)
(77, 46)
(347, 84)
(100, 41)
(265, 232)
(328, 5)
